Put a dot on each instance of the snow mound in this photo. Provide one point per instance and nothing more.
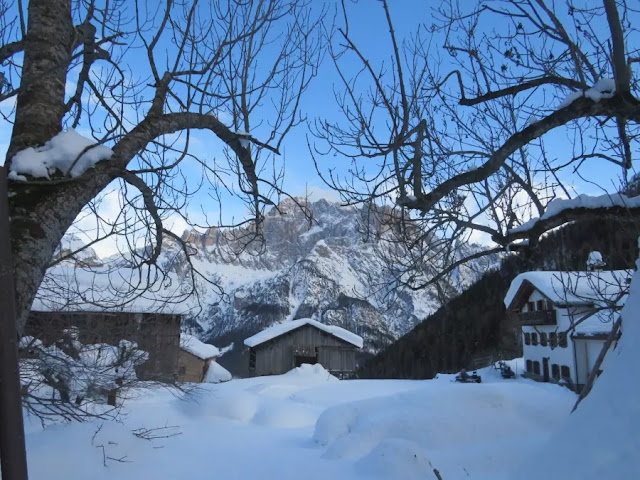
(216, 373)
(285, 415)
(264, 401)
(316, 371)
(441, 420)
(335, 423)
(396, 458)
(64, 153)
(236, 405)
(390, 429)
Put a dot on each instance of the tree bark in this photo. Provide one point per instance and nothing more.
(40, 215)
(47, 54)
(619, 61)
(13, 457)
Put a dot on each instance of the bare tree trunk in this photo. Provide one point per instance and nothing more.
(13, 457)
(618, 58)
(47, 55)
(40, 214)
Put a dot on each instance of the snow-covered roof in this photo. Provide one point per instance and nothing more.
(200, 349)
(600, 322)
(282, 328)
(108, 289)
(573, 288)
(559, 205)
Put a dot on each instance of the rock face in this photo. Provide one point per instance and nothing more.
(313, 260)
(323, 264)
(73, 251)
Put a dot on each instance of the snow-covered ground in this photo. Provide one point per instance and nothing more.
(309, 422)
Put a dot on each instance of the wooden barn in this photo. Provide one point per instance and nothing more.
(197, 362)
(282, 347)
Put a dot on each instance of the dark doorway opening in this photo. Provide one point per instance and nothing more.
(545, 369)
(300, 359)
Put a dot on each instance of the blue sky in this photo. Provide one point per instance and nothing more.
(369, 30)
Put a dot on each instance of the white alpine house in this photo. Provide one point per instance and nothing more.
(566, 318)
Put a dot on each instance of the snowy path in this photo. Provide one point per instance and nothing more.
(266, 428)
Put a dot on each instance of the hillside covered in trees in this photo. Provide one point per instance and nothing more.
(475, 325)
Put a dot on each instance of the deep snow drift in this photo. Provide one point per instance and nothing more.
(307, 420)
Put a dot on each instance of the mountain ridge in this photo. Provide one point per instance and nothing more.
(315, 259)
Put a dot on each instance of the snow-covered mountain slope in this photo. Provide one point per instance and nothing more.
(323, 264)
(330, 268)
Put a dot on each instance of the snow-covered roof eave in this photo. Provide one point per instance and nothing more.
(282, 328)
(511, 299)
(192, 345)
(558, 286)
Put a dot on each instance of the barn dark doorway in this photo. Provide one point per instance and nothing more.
(300, 359)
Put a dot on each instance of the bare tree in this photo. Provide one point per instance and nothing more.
(460, 124)
(142, 78)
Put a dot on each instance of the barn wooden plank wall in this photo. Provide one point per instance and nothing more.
(278, 355)
(190, 367)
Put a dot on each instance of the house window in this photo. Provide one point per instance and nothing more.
(531, 306)
(529, 365)
(565, 372)
(536, 368)
(527, 338)
(534, 338)
(562, 339)
(543, 339)
(540, 304)
(555, 371)
(553, 339)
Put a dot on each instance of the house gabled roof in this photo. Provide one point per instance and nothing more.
(569, 288)
(282, 328)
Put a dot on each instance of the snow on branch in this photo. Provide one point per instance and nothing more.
(604, 88)
(68, 152)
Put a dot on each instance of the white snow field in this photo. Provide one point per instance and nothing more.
(308, 422)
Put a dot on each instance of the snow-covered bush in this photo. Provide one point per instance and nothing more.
(72, 373)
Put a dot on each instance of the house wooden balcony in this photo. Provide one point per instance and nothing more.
(537, 317)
